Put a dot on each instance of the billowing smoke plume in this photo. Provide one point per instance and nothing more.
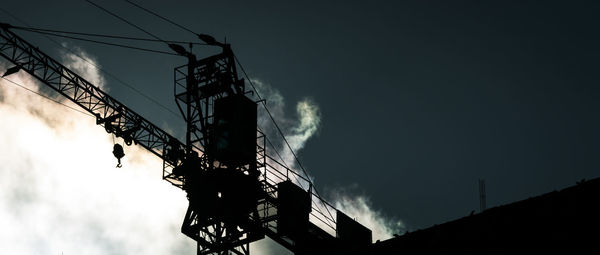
(360, 208)
(307, 126)
(83, 64)
(297, 132)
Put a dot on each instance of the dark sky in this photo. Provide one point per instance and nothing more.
(419, 99)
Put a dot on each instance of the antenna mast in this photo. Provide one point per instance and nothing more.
(482, 205)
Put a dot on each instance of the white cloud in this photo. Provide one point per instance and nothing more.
(309, 121)
(83, 64)
(61, 193)
(361, 210)
(267, 246)
(298, 131)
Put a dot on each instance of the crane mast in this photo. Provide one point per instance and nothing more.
(237, 193)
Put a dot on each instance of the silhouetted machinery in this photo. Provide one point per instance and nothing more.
(237, 192)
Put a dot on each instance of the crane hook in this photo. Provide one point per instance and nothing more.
(118, 153)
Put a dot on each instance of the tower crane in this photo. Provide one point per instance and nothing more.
(237, 192)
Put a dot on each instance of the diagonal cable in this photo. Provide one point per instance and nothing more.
(126, 21)
(98, 68)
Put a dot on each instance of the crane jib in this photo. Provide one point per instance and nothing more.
(110, 113)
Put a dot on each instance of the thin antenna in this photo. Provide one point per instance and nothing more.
(482, 205)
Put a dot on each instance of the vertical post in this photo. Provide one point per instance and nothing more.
(188, 111)
(482, 203)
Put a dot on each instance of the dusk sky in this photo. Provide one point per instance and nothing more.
(417, 100)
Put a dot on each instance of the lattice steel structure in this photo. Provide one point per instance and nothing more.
(220, 173)
(113, 115)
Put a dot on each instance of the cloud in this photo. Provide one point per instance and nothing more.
(361, 209)
(83, 64)
(298, 131)
(61, 193)
(309, 121)
(267, 246)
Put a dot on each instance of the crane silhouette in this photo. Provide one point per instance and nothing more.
(237, 192)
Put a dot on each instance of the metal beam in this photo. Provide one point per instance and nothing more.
(113, 115)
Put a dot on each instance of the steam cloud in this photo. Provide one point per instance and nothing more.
(298, 132)
(83, 64)
(60, 192)
(361, 209)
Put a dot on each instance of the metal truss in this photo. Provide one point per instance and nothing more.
(219, 227)
(113, 115)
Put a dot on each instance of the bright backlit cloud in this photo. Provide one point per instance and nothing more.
(360, 208)
(83, 64)
(61, 193)
(298, 131)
